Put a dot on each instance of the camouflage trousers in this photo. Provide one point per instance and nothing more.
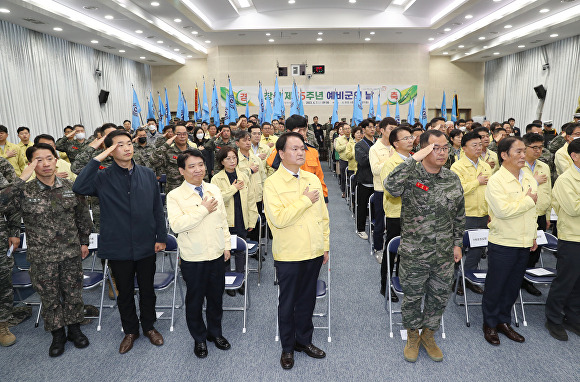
(425, 275)
(60, 287)
(6, 291)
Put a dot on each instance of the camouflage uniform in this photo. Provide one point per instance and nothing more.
(432, 223)
(9, 227)
(165, 162)
(71, 147)
(57, 223)
(311, 138)
(556, 144)
(492, 146)
(144, 154)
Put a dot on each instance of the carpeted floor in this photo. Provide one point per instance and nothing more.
(360, 349)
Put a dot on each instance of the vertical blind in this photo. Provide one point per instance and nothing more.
(510, 81)
(48, 83)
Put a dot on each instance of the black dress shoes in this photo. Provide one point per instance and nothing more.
(220, 342)
(474, 288)
(510, 333)
(58, 342)
(394, 297)
(242, 290)
(77, 337)
(531, 289)
(200, 349)
(287, 360)
(310, 350)
(459, 287)
(490, 335)
(231, 292)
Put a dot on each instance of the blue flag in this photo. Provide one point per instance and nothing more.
(185, 109)
(179, 104)
(261, 105)
(334, 110)
(161, 113)
(300, 104)
(282, 110)
(269, 111)
(276, 111)
(388, 112)
(423, 116)
(215, 106)
(204, 106)
(232, 113)
(397, 116)
(372, 106)
(454, 109)
(227, 109)
(357, 113)
(294, 100)
(200, 112)
(247, 108)
(411, 114)
(444, 108)
(135, 112)
(379, 115)
(150, 107)
(167, 111)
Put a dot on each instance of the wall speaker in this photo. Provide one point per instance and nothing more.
(540, 91)
(103, 97)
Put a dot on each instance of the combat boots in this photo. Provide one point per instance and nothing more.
(428, 342)
(412, 347)
(6, 337)
(58, 341)
(76, 336)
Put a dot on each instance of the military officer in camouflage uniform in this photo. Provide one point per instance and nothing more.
(9, 235)
(72, 146)
(142, 149)
(432, 225)
(165, 157)
(58, 226)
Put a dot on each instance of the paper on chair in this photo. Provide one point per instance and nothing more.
(234, 241)
(539, 272)
(553, 215)
(480, 275)
(85, 277)
(159, 314)
(251, 245)
(541, 238)
(230, 279)
(478, 238)
(10, 250)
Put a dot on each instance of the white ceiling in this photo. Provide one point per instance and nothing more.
(340, 22)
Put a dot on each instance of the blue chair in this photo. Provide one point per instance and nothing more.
(395, 283)
(235, 280)
(371, 221)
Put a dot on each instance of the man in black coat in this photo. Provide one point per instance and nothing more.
(132, 230)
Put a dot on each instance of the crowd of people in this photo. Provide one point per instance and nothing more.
(430, 183)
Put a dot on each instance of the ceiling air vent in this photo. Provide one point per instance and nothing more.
(109, 47)
(34, 21)
(90, 7)
(151, 61)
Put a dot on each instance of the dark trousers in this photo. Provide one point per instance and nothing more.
(363, 195)
(297, 283)
(393, 230)
(564, 296)
(379, 217)
(506, 267)
(204, 280)
(343, 165)
(124, 272)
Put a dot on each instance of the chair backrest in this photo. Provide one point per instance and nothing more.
(393, 245)
(241, 244)
(171, 243)
(552, 241)
(481, 235)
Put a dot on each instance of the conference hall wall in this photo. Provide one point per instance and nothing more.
(352, 64)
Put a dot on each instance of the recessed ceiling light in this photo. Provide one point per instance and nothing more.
(544, 10)
(291, 1)
(57, 29)
(485, 47)
(142, 57)
(176, 50)
(368, 39)
(468, 17)
(177, 20)
(447, 29)
(466, 53)
(507, 26)
(320, 33)
(194, 32)
(271, 40)
(554, 35)
(109, 17)
(121, 51)
(160, 41)
(521, 46)
(139, 31)
(94, 41)
(445, 53)
(207, 41)
(495, 53)
(268, 34)
(482, 38)
(352, 1)
(461, 46)
(319, 39)
(4, 10)
(372, 33)
(154, 4)
(431, 38)
(189, 56)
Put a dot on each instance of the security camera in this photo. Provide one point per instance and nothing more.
(98, 72)
(309, 76)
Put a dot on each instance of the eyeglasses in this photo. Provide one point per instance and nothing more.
(536, 148)
(441, 149)
(407, 138)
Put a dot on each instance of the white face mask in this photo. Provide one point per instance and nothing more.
(152, 128)
(200, 136)
(462, 128)
(80, 136)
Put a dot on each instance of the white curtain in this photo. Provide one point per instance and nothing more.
(48, 83)
(510, 81)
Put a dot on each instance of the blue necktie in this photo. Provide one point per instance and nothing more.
(295, 175)
(200, 191)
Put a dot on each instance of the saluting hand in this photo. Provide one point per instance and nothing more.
(106, 153)
(532, 195)
(170, 140)
(422, 154)
(482, 179)
(27, 172)
(71, 134)
(210, 204)
(97, 142)
(312, 195)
